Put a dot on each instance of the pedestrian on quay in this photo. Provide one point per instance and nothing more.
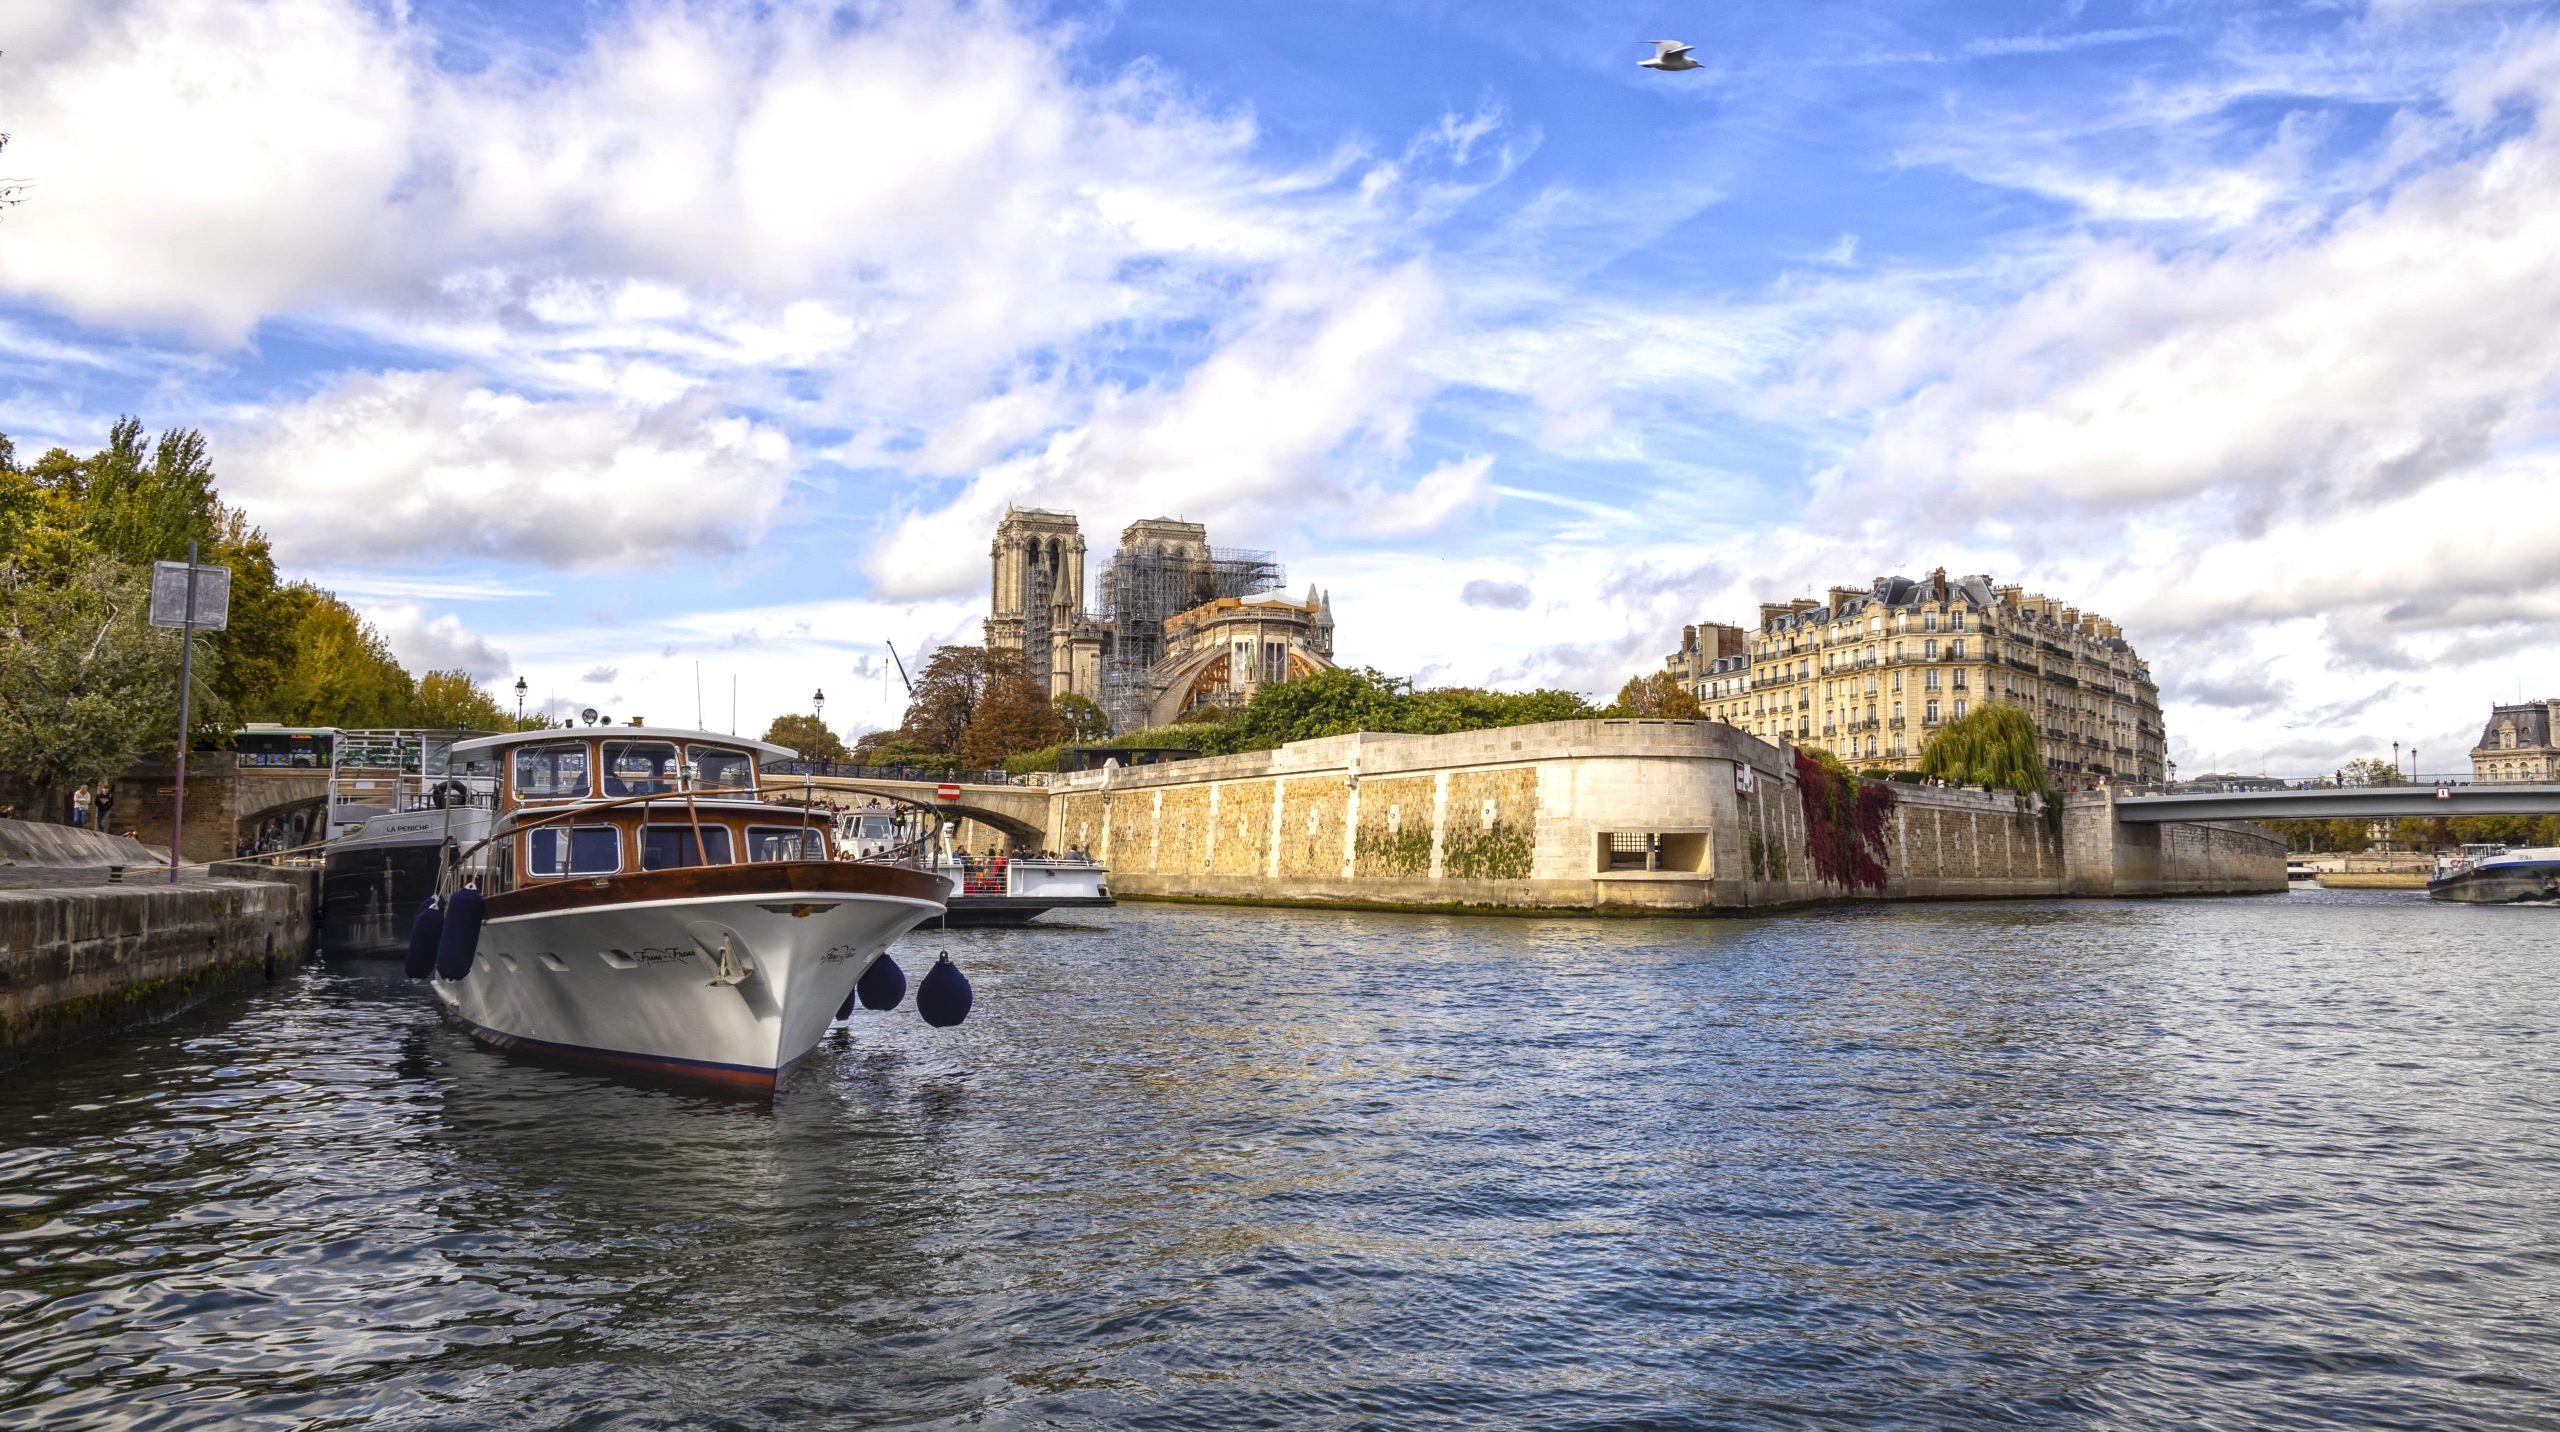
(104, 802)
(80, 807)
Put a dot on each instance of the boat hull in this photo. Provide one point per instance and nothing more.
(626, 974)
(995, 911)
(2501, 884)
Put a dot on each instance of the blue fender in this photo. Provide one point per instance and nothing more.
(943, 996)
(424, 933)
(460, 943)
(882, 985)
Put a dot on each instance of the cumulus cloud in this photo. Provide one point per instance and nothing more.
(600, 675)
(438, 467)
(438, 643)
(2356, 362)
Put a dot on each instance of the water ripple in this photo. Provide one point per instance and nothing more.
(2269, 1163)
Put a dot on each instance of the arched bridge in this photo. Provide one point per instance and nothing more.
(2415, 802)
(262, 791)
(1021, 812)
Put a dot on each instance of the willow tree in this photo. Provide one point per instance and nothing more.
(1993, 746)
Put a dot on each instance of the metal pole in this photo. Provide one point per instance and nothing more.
(186, 713)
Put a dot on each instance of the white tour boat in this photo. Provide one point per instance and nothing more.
(639, 906)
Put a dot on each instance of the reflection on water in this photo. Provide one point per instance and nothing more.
(2273, 1162)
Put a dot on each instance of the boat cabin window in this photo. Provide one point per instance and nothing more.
(668, 847)
(786, 842)
(875, 827)
(575, 850)
(639, 768)
(717, 768)
(552, 772)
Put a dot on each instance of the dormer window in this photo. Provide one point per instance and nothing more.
(2507, 736)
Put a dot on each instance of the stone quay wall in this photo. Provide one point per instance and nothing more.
(1665, 816)
(80, 957)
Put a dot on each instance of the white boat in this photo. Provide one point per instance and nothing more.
(993, 889)
(2301, 872)
(2498, 875)
(644, 909)
(397, 801)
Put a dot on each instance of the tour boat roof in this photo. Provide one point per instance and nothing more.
(482, 744)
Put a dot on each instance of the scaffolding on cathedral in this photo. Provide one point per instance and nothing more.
(1145, 585)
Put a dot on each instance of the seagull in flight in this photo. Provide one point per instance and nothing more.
(1669, 55)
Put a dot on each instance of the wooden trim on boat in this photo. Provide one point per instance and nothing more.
(695, 882)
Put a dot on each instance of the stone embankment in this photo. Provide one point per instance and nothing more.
(1667, 816)
(86, 949)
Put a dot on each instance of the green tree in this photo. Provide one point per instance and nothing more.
(343, 673)
(1657, 696)
(2372, 771)
(144, 502)
(893, 748)
(1012, 717)
(87, 687)
(451, 701)
(945, 698)
(807, 735)
(1085, 722)
(1991, 746)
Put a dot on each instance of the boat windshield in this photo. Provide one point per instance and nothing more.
(667, 847)
(874, 827)
(639, 768)
(769, 842)
(551, 772)
(718, 768)
(582, 850)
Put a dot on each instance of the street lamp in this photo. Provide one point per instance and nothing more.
(519, 701)
(820, 701)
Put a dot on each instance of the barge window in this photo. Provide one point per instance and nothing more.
(639, 768)
(553, 772)
(776, 842)
(717, 768)
(667, 847)
(577, 850)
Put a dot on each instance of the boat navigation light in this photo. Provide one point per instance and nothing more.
(588, 715)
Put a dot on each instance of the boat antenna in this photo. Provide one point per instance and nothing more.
(698, 722)
(902, 672)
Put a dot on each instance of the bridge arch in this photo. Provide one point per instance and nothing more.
(1021, 813)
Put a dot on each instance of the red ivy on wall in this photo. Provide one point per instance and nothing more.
(1843, 823)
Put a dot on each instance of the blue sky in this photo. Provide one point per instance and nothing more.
(602, 344)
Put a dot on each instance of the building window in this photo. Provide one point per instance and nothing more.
(1928, 651)
(1928, 621)
(1930, 717)
(1959, 708)
(1955, 621)
(1929, 680)
(1955, 649)
(1959, 681)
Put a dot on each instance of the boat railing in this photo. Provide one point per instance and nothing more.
(916, 775)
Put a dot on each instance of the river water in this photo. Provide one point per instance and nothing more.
(2286, 1161)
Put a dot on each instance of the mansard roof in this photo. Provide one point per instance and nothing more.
(2532, 722)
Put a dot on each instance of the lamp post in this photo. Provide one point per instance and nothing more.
(2395, 758)
(519, 703)
(820, 701)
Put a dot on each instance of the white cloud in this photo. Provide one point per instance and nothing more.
(1257, 434)
(1440, 497)
(205, 163)
(435, 468)
(2371, 357)
(439, 643)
